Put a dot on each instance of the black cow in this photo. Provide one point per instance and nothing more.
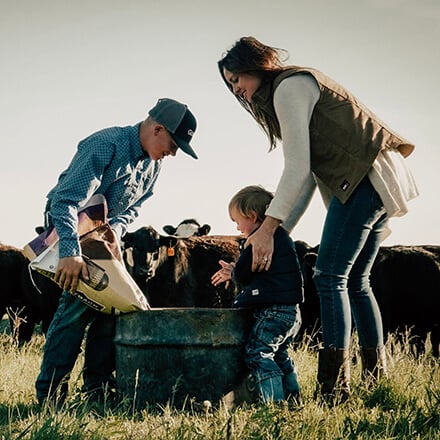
(19, 297)
(42, 296)
(406, 283)
(310, 307)
(176, 272)
(146, 251)
(187, 228)
(11, 299)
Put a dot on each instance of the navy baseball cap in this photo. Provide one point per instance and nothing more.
(178, 120)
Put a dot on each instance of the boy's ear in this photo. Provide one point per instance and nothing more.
(253, 216)
(157, 128)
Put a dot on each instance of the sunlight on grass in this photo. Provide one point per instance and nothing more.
(406, 405)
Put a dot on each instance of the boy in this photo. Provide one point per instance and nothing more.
(274, 294)
(123, 164)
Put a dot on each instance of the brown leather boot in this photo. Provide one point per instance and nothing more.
(334, 374)
(374, 364)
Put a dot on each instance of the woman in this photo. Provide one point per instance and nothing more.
(332, 141)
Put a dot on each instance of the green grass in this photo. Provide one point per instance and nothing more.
(404, 406)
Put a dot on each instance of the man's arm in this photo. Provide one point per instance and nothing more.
(120, 223)
(75, 187)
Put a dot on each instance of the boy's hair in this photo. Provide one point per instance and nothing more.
(251, 198)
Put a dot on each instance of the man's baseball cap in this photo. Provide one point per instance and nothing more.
(178, 120)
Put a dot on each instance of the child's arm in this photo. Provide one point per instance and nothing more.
(224, 275)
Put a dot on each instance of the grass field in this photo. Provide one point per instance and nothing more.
(404, 406)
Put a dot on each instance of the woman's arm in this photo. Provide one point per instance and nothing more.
(294, 100)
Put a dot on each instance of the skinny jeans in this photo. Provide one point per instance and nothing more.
(349, 245)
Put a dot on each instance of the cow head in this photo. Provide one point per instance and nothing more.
(142, 252)
(187, 228)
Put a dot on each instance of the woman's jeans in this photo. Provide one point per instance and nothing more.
(350, 242)
(63, 344)
(266, 350)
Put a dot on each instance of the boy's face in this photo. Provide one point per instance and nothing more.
(246, 225)
(160, 144)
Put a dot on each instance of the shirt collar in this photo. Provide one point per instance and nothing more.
(135, 143)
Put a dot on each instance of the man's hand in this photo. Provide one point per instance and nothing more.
(68, 272)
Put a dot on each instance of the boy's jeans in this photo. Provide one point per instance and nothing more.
(63, 344)
(350, 242)
(266, 351)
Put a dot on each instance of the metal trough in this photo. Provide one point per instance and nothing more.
(171, 355)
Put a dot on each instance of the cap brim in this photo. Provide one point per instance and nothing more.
(184, 146)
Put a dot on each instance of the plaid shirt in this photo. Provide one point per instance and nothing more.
(110, 162)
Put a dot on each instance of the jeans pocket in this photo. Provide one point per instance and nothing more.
(275, 327)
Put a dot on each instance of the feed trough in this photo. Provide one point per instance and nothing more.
(171, 355)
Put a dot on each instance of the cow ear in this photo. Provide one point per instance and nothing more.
(310, 258)
(170, 230)
(309, 261)
(204, 230)
(307, 266)
(129, 260)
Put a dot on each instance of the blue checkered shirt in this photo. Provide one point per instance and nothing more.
(109, 162)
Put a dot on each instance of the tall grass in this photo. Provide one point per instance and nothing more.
(404, 406)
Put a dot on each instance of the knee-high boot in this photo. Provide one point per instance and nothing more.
(334, 374)
(374, 363)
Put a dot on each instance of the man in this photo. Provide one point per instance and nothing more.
(123, 164)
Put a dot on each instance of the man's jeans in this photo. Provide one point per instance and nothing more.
(350, 242)
(63, 344)
(266, 351)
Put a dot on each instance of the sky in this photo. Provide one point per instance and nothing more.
(69, 69)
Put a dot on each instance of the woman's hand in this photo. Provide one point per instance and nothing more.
(224, 275)
(262, 244)
(69, 270)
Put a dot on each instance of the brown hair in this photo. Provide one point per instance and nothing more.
(248, 55)
(251, 198)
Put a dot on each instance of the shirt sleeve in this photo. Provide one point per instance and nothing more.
(120, 223)
(75, 187)
(294, 101)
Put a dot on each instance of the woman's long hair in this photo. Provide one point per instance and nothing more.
(248, 55)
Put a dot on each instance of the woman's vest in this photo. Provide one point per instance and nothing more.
(345, 136)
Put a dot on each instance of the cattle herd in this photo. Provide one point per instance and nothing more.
(175, 271)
